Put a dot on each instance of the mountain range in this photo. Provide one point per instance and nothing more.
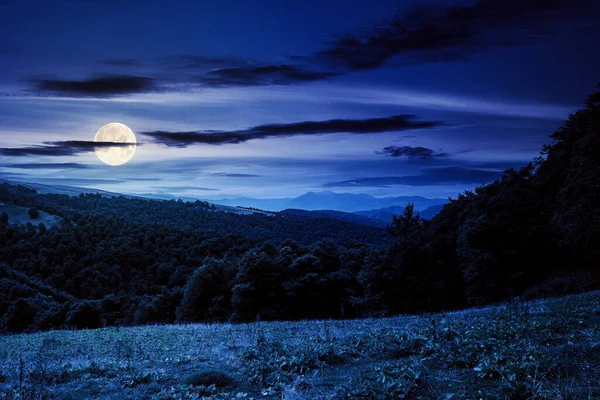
(359, 208)
(387, 213)
(328, 200)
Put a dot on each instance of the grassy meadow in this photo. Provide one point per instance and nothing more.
(20, 215)
(545, 349)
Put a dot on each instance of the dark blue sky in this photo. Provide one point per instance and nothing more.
(272, 99)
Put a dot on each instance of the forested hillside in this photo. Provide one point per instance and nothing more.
(119, 261)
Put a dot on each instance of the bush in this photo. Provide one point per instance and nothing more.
(208, 378)
(33, 213)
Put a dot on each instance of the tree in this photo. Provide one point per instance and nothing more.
(84, 315)
(408, 222)
(33, 213)
(258, 289)
(18, 317)
(4, 218)
(570, 172)
(406, 276)
(207, 294)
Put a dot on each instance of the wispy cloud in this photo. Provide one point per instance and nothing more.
(427, 33)
(409, 151)
(98, 86)
(233, 175)
(171, 189)
(384, 96)
(280, 74)
(430, 177)
(363, 126)
(68, 165)
(59, 148)
(434, 33)
(169, 77)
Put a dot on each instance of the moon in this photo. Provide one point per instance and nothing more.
(115, 132)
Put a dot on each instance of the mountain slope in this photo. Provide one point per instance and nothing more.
(343, 216)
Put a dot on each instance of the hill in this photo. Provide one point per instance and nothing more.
(129, 260)
(547, 349)
(349, 217)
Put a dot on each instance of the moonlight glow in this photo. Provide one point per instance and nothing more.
(115, 133)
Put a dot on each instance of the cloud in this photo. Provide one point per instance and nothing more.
(145, 179)
(170, 189)
(421, 34)
(59, 148)
(68, 165)
(433, 33)
(201, 63)
(202, 71)
(409, 151)
(179, 74)
(61, 181)
(230, 175)
(75, 181)
(363, 126)
(430, 177)
(267, 74)
(98, 86)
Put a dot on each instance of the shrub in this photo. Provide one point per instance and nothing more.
(208, 378)
(383, 382)
(33, 213)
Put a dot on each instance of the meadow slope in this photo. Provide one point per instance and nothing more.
(546, 349)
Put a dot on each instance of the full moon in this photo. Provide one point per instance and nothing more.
(115, 133)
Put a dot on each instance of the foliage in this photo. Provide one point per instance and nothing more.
(33, 213)
(208, 378)
(389, 381)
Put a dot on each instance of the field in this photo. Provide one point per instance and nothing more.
(546, 349)
(19, 215)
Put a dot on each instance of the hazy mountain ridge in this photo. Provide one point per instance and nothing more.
(386, 214)
(328, 200)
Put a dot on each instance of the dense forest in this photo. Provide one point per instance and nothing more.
(122, 261)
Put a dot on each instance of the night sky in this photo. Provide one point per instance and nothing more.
(274, 98)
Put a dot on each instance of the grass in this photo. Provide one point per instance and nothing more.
(20, 215)
(546, 349)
